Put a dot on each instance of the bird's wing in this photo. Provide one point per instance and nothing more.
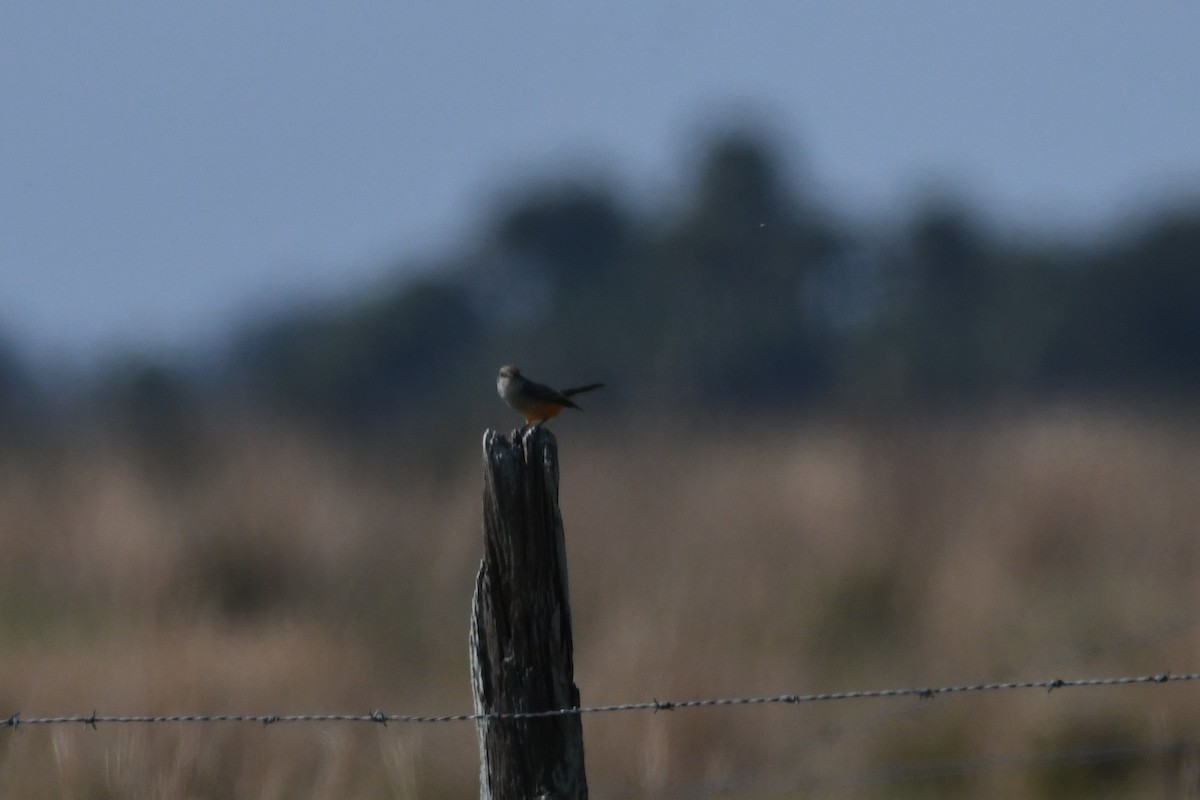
(543, 393)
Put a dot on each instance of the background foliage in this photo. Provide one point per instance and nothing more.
(743, 293)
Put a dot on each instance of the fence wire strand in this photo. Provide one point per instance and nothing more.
(380, 718)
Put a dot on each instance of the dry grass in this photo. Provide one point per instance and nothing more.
(269, 571)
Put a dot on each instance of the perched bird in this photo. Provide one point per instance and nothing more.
(534, 401)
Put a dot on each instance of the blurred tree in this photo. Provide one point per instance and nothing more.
(570, 234)
(733, 284)
(17, 392)
(1158, 327)
(1134, 325)
(746, 294)
(365, 365)
(951, 271)
(554, 275)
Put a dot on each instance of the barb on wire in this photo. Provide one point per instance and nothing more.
(378, 717)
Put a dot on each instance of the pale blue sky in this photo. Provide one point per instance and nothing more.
(168, 166)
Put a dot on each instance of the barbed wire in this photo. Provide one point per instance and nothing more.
(379, 717)
(833, 731)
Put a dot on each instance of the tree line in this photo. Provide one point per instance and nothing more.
(747, 295)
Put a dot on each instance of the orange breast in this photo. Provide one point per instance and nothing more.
(542, 411)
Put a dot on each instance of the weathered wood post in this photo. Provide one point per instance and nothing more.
(521, 648)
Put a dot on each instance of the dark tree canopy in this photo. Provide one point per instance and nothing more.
(745, 294)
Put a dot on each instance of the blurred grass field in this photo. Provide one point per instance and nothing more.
(263, 569)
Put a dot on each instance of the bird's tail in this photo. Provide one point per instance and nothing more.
(580, 389)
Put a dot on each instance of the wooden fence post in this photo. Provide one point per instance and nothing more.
(521, 648)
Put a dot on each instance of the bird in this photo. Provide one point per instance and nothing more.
(534, 401)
